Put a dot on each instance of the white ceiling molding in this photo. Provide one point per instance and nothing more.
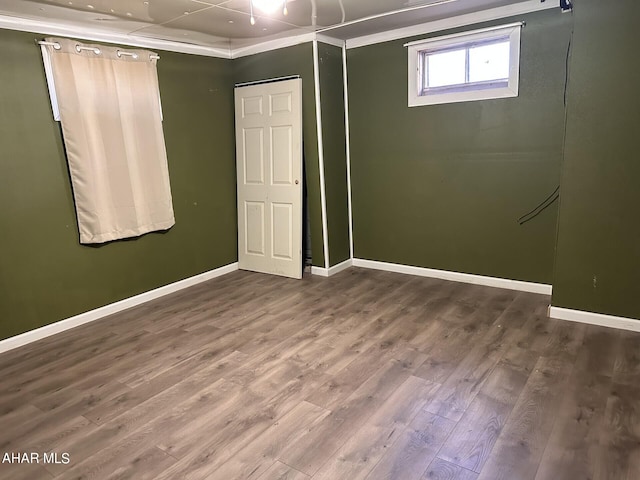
(452, 22)
(386, 14)
(330, 40)
(272, 45)
(284, 42)
(91, 34)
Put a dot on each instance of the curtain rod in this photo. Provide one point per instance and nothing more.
(268, 80)
(95, 50)
(465, 33)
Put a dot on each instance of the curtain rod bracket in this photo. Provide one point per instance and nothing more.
(55, 45)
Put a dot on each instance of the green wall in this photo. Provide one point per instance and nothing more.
(296, 60)
(45, 274)
(443, 186)
(438, 186)
(335, 152)
(598, 255)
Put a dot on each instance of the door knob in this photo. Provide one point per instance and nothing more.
(297, 182)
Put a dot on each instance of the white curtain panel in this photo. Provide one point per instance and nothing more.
(111, 121)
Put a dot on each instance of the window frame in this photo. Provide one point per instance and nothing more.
(470, 91)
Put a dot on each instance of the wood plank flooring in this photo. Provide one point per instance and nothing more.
(365, 375)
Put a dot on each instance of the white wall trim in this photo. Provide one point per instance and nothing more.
(595, 318)
(320, 271)
(455, 276)
(92, 34)
(328, 272)
(348, 146)
(323, 193)
(93, 315)
(520, 8)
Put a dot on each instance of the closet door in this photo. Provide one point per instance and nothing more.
(269, 168)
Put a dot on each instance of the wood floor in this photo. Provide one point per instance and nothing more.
(365, 375)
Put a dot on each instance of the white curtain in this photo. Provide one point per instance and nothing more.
(111, 121)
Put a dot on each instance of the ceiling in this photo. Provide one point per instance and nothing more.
(225, 24)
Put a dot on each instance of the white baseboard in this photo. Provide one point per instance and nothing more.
(595, 318)
(455, 276)
(327, 272)
(93, 315)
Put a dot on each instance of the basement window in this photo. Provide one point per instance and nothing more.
(477, 65)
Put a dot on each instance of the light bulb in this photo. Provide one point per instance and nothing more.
(285, 12)
(267, 6)
(253, 20)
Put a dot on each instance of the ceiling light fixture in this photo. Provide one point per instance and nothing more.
(268, 7)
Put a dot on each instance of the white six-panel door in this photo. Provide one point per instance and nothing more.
(269, 168)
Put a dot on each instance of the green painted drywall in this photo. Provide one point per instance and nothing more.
(296, 60)
(335, 152)
(598, 253)
(45, 274)
(443, 186)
